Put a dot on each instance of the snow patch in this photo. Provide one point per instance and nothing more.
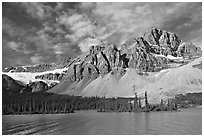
(162, 72)
(169, 57)
(159, 55)
(174, 58)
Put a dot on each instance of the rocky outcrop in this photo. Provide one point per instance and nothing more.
(113, 56)
(188, 50)
(51, 76)
(90, 71)
(38, 86)
(198, 66)
(140, 55)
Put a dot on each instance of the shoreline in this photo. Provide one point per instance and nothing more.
(96, 110)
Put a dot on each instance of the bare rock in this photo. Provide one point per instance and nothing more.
(38, 86)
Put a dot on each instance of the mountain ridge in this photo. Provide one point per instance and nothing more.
(156, 50)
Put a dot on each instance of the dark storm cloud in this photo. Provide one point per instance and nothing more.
(18, 15)
(43, 32)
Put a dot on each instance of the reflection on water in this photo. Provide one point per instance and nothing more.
(187, 121)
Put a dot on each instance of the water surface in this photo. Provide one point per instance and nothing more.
(187, 121)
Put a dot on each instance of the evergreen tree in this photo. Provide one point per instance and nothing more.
(136, 101)
(139, 104)
(146, 100)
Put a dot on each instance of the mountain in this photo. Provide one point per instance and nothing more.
(157, 58)
(10, 85)
(39, 77)
(62, 63)
(49, 77)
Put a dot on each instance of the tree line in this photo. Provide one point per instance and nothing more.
(44, 103)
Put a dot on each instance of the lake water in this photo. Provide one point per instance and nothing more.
(187, 121)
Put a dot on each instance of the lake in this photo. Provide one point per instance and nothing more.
(187, 121)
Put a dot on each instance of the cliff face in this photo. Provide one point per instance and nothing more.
(164, 42)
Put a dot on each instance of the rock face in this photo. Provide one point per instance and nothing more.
(51, 76)
(164, 42)
(189, 50)
(140, 56)
(38, 86)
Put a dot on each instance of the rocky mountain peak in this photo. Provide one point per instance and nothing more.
(162, 41)
(153, 35)
(148, 53)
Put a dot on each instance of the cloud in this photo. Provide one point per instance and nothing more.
(132, 19)
(79, 26)
(15, 45)
(195, 37)
(11, 29)
(36, 59)
(88, 5)
(127, 19)
(64, 6)
(58, 49)
(87, 43)
(37, 10)
(17, 36)
(69, 20)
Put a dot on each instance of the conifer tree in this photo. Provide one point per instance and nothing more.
(146, 100)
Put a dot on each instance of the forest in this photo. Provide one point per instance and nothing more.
(49, 103)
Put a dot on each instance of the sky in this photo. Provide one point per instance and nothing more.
(34, 33)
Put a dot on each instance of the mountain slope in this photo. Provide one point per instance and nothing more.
(112, 86)
(181, 80)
